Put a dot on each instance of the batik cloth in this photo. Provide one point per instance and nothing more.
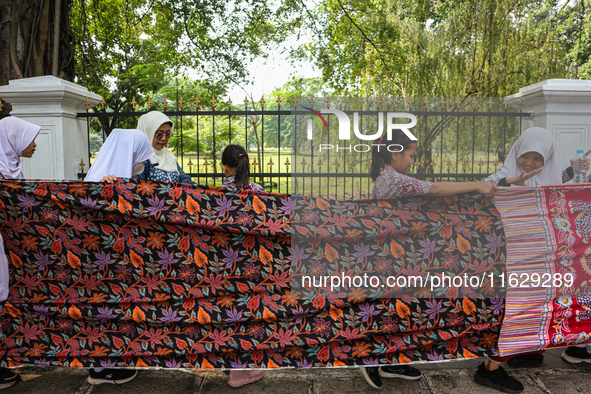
(142, 274)
(548, 233)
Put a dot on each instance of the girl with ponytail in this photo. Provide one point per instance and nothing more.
(237, 169)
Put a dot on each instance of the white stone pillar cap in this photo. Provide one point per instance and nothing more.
(47, 95)
(570, 96)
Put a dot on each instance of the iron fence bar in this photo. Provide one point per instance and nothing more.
(182, 144)
(262, 164)
(245, 129)
(88, 139)
(230, 127)
(457, 145)
(311, 160)
(441, 146)
(473, 141)
(279, 142)
(294, 147)
(367, 155)
(488, 147)
(425, 128)
(213, 158)
(198, 144)
(504, 135)
(327, 163)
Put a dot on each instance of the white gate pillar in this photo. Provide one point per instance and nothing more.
(563, 107)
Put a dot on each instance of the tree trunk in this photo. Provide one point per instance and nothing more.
(56, 38)
(5, 15)
(35, 40)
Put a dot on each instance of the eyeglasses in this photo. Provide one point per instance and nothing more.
(160, 135)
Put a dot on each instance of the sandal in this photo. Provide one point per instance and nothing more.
(244, 377)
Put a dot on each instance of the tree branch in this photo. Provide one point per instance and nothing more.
(56, 37)
(14, 21)
(371, 43)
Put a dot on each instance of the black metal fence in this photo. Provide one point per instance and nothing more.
(459, 140)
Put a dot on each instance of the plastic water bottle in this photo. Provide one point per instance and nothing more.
(579, 167)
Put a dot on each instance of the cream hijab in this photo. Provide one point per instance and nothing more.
(149, 123)
(15, 136)
(534, 139)
(120, 152)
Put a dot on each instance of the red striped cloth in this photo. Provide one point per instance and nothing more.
(545, 231)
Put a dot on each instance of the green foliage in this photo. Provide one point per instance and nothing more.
(447, 48)
(96, 141)
(439, 48)
(131, 50)
(573, 28)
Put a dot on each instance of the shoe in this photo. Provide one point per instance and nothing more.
(400, 371)
(8, 378)
(527, 360)
(497, 379)
(113, 376)
(575, 355)
(242, 378)
(372, 376)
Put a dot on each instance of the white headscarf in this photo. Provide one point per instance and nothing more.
(15, 136)
(149, 123)
(120, 152)
(534, 139)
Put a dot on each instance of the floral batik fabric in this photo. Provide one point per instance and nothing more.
(142, 274)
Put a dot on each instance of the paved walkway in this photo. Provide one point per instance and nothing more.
(555, 376)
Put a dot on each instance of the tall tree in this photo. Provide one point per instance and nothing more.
(573, 21)
(441, 48)
(436, 48)
(129, 49)
(35, 40)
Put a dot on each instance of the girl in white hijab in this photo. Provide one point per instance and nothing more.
(17, 139)
(531, 162)
(122, 155)
(163, 166)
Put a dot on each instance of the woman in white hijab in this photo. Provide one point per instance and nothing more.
(163, 166)
(531, 162)
(17, 139)
(122, 155)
